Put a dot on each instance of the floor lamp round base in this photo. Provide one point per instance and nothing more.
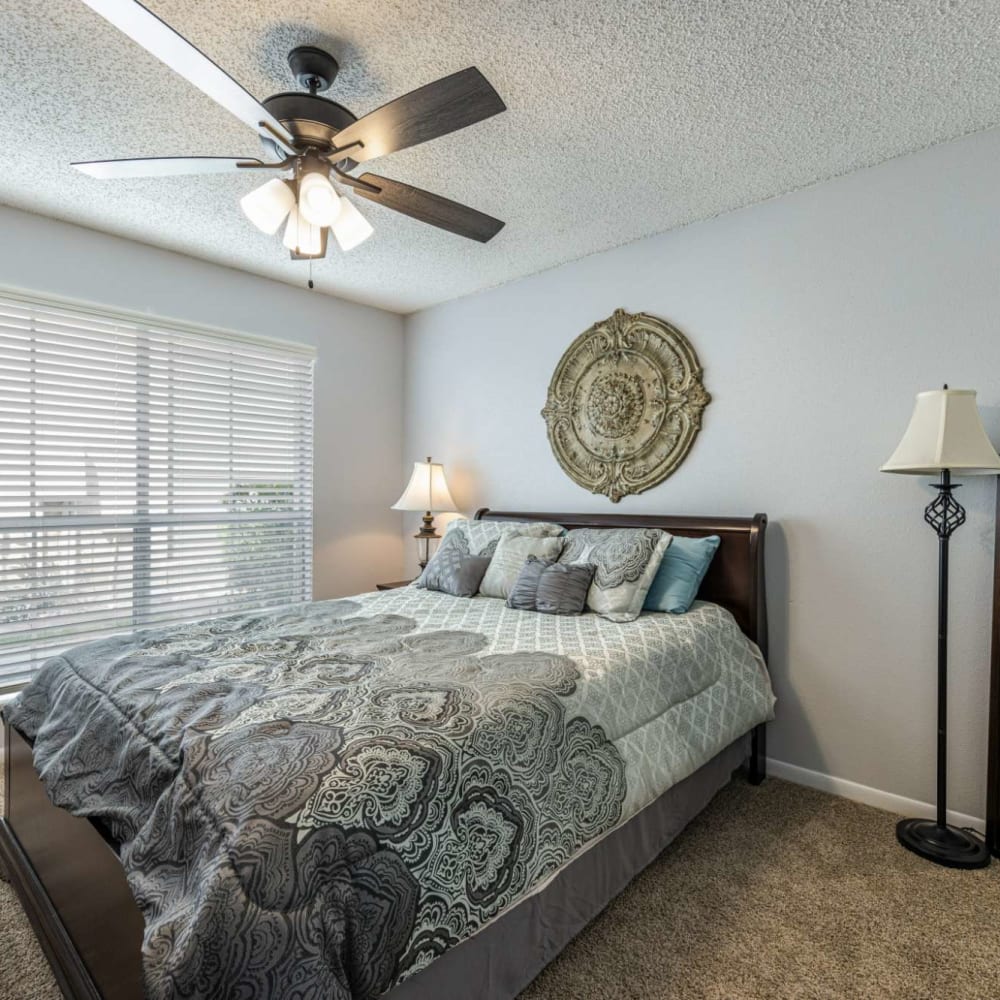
(944, 845)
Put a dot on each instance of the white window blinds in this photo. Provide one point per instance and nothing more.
(148, 474)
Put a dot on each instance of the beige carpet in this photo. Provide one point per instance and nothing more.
(775, 892)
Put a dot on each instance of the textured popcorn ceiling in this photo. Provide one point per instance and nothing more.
(624, 118)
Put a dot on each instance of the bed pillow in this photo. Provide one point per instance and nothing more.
(457, 573)
(522, 593)
(480, 538)
(684, 566)
(626, 559)
(563, 588)
(551, 588)
(511, 554)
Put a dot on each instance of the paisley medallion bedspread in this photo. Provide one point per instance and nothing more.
(318, 801)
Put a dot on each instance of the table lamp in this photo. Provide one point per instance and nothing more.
(428, 491)
(945, 435)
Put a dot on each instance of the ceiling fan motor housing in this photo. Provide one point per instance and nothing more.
(313, 121)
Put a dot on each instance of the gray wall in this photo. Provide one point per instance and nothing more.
(359, 369)
(817, 317)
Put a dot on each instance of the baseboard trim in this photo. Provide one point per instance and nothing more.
(863, 793)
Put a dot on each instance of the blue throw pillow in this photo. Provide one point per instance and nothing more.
(684, 566)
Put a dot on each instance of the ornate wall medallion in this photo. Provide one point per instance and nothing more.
(625, 404)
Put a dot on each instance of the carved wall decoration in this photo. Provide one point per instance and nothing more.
(625, 404)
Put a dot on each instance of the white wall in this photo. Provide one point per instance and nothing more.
(817, 317)
(359, 369)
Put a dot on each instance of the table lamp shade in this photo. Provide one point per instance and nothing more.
(426, 490)
(945, 432)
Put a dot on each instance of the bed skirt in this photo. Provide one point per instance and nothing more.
(503, 958)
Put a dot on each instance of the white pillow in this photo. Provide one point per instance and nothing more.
(511, 554)
(626, 559)
(482, 536)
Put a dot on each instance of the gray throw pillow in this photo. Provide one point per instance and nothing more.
(458, 574)
(562, 588)
(551, 588)
(522, 594)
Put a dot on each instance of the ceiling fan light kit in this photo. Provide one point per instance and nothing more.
(313, 141)
(268, 206)
(302, 238)
(318, 201)
(350, 227)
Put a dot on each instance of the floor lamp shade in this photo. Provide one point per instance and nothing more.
(945, 432)
(428, 491)
(945, 435)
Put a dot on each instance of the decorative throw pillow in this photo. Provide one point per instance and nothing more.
(456, 573)
(684, 566)
(480, 538)
(511, 553)
(453, 544)
(562, 588)
(550, 587)
(522, 593)
(626, 559)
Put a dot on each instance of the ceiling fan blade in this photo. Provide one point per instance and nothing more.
(430, 208)
(165, 166)
(436, 109)
(160, 40)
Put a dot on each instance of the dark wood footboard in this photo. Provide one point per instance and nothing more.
(71, 885)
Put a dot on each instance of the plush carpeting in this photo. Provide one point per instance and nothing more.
(775, 892)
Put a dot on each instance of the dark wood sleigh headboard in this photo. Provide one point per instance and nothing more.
(736, 577)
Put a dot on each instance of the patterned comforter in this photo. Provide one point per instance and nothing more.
(318, 801)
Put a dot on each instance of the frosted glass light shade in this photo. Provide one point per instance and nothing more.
(945, 432)
(426, 490)
(351, 228)
(301, 236)
(318, 202)
(267, 206)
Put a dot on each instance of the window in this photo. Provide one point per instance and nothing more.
(149, 473)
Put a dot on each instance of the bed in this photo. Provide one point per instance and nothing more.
(547, 761)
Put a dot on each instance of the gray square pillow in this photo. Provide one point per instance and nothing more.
(626, 559)
(562, 589)
(457, 573)
(551, 588)
(522, 594)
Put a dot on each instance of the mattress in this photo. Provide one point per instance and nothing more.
(325, 798)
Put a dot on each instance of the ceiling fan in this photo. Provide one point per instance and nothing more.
(311, 141)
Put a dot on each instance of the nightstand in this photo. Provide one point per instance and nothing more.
(393, 586)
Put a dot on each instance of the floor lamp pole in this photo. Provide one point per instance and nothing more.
(942, 712)
(934, 839)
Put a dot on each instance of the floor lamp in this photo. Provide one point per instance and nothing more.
(945, 435)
